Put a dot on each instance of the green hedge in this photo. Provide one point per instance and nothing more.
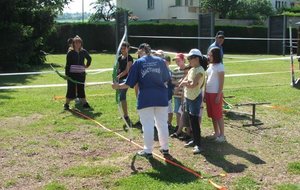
(101, 37)
(230, 46)
(97, 37)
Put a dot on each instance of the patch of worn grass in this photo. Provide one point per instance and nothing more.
(90, 171)
(84, 147)
(153, 180)
(65, 128)
(55, 143)
(39, 177)
(288, 187)
(32, 142)
(102, 133)
(24, 175)
(246, 183)
(53, 122)
(294, 168)
(252, 150)
(54, 186)
(10, 183)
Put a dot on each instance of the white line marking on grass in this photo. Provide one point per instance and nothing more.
(253, 74)
(238, 57)
(263, 59)
(92, 71)
(109, 82)
(49, 85)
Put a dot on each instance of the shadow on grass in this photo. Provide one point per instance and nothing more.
(166, 172)
(240, 116)
(5, 96)
(88, 112)
(215, 153)
(15, 80)
(12, 80)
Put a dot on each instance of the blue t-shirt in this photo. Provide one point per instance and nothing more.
(152, 75)
(219, 46)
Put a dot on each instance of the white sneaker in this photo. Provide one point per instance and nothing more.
(197, 150)
(189, 144)
(221, 139)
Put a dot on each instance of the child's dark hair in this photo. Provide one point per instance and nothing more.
(203, 62)
(125, 44)
(216, 54)
(70, 41)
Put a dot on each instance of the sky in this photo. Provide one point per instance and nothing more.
(76, 6)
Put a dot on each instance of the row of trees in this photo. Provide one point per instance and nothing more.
(240, 9)
(233, 9)
(25, 24)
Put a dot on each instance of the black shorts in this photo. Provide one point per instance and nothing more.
(75, 90)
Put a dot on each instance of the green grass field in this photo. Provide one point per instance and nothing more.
(44, 147)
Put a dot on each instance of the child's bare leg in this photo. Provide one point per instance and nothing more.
(221, 126)
(216, 127)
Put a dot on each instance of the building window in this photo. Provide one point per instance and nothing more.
(150, 4)
(276, 5)
(186, 3)
(178, 3)
(191, 3)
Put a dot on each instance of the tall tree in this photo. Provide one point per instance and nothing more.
(218, 6)
(104, 10)
(252, 9)
(24, 24)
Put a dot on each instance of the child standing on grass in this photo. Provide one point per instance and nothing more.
(125, 62)
(177, 76)
(170, 93)
(193, 84)
(214, 93)
(75, 69)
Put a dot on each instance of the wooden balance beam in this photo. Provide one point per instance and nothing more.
(253, 104)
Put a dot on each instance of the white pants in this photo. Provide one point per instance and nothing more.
(170, 107)
(157, 116)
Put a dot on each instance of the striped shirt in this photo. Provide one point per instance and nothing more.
(177, 75)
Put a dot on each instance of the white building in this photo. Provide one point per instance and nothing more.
(161, 9)
(171, 9)
(277, 4)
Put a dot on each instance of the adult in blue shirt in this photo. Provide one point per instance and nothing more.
(220, 37)
(152, 75)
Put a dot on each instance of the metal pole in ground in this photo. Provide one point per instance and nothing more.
(291, 54)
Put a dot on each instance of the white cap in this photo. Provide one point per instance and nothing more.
(195, 52)
(159, 53)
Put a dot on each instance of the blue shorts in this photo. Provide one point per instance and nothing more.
(193, 106)
(177, 104)
(122, 94)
